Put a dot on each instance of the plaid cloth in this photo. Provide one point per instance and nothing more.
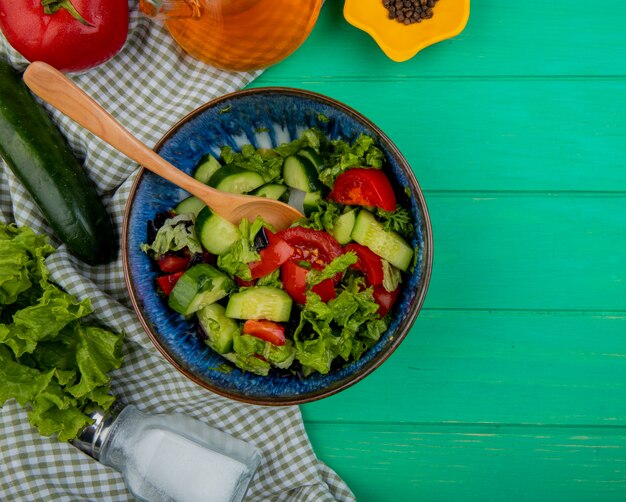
(148, 87)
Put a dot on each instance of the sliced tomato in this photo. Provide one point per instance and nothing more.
(167, 282)
(294, 282)
(385, 299)
(268, 331)
(364, 187)
(173, 263)
(317, 247)
(272, 256)
(370, 264)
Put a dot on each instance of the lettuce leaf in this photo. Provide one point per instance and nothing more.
(338, 266)
(175, 234)
(22, 255)
(344, 156)
(323, 217)
(49, 361)
(265, 162)
(344, 327)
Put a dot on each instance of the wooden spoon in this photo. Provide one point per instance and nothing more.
(57, 90)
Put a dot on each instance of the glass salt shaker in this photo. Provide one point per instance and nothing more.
(170, 457)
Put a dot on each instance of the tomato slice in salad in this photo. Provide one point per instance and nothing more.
(294, 283)
(272, 256)
(268, 331)
(385, 299)
(317, 247)
(173, 263)
(369, 263)
(167, 282)
(364, 187)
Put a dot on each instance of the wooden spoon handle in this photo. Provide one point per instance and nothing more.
(59, 91)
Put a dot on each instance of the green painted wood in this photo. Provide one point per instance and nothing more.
(561, 37)
(475, 462)
(511, 384)
(528, 251)
(498, 135)
(492, 366)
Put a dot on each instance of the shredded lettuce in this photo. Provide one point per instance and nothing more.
(323, 218)
(338, 266)
(344, 156)
(265, 162)
(176, 233)
(392, 277)
(49, 360)
(345, 326)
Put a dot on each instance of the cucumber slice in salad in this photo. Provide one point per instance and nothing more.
(274, 191)
(310, 153)
(260, 302)
(219, 329)
(199, 286)
(215, 233)
(235, 179)
(387, 244)
(342, 230)
(311, 202)
(299, 172)
(191, 205)
(206, 168)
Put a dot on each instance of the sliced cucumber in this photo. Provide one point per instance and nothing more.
(206, 168)
(235, 179)
(387, 244)
(191, 205)
(344, 224)
(311, 202)
(310, 153)
(299, 172)
(215, 233)
(220, 330)
(272, 191)
(199, 286)
(260, 302)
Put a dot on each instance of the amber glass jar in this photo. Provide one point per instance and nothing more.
(236, 34)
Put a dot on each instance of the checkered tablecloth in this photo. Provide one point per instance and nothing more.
(149, 86)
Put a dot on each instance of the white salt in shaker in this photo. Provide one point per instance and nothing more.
(170, 457)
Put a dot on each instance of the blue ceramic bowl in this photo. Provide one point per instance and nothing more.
(262, 117)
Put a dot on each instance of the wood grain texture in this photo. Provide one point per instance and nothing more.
(511, 384)
(559, 38)
(503, 134)
(475, 462)
(523, 367)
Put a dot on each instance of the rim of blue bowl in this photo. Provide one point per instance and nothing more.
(405, 324)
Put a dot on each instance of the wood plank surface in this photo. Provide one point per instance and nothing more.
(485, 134)
(522, 367)
(502, 38)
(475, 462)
(511, 384)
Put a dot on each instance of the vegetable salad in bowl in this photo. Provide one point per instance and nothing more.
(306, 299)
(279, 316)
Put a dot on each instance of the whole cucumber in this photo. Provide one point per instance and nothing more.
(41, 159)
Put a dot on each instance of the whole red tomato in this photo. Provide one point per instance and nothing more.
(71, 35)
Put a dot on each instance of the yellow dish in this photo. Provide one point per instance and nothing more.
(399, 41)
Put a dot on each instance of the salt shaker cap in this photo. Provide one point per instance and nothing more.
(92, 437)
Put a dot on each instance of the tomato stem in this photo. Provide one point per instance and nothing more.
(51, 6)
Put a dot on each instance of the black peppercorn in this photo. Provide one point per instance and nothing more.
(410, 11)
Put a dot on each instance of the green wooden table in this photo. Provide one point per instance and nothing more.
(512, 383)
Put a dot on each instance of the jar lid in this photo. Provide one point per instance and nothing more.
(92, 437)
